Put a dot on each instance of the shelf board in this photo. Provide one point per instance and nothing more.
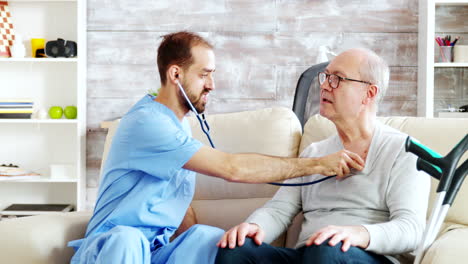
(450, 64)
(38, 121)
(453, 114)
(40, 180)
(451, 2)
(38, 59)
(42, 1)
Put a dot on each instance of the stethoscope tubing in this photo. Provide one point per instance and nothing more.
(302, 183)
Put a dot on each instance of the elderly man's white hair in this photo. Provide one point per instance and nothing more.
(375, 70)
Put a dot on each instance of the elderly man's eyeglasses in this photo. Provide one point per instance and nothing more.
(334, 80)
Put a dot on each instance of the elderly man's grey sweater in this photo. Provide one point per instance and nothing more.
(389, 197)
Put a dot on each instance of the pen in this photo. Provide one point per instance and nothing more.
(455, 41)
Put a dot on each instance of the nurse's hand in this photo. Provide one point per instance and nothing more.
(340, 163)
(237, 234)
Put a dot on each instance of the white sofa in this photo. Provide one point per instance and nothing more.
(273, 131)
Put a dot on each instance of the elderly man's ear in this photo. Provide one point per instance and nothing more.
(371, 94)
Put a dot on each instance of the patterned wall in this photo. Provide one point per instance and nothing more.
(261, 49)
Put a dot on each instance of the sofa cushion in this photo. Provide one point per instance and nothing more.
(41, 239)
(440, 134)
(449, 248)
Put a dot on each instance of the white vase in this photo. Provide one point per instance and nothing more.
(18, 50)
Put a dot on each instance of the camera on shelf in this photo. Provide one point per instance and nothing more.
(61, 48)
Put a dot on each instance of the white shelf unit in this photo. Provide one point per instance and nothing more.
(426, 64)
(451, 64)
(37, 144)
(38, 60)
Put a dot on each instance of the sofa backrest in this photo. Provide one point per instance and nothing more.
(440, 134)
(271, 131)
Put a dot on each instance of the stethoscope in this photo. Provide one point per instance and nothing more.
(203, 123)
(206, 129)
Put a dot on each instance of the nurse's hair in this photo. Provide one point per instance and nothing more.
(175, 49)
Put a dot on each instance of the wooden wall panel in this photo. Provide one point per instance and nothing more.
(397, 108)
(93, 156)
(448, 83)
(283, 48)
(452, 19)
(121, 81)
(402, 85)
(301, 48)
(451, 88)
(465, 84)
(207, 15)
(105, 109)
(347, 16)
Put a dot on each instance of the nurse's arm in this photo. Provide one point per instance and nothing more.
(258, 168)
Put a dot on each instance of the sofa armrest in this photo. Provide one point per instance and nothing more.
(450, 247)
(41, 239)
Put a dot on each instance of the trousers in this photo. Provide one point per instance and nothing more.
(125, 244)
(251, 253)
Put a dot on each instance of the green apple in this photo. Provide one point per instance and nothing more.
(55, 112)
(70, 112)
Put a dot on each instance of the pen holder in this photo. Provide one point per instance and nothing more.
(37, 44)
(460, 53)
(445, 53)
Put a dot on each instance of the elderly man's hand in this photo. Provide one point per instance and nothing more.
(237, 234)
(356, 236)
(340, 163)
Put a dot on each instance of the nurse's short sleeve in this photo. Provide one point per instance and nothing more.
(160, 147)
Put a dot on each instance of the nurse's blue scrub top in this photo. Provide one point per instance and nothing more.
(144, 184)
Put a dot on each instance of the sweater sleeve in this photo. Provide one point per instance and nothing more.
(277, 214)
(407, 200)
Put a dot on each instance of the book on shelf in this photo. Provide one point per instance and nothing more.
(16, 115)
(15, 173)
(16, 100)
(15, 105)
(35, 209)
(16, 110)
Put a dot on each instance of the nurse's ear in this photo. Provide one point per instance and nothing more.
(173, 74)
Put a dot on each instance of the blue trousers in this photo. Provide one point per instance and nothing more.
(251, 253)
(124, 244)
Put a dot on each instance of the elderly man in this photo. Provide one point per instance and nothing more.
(378, 212)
